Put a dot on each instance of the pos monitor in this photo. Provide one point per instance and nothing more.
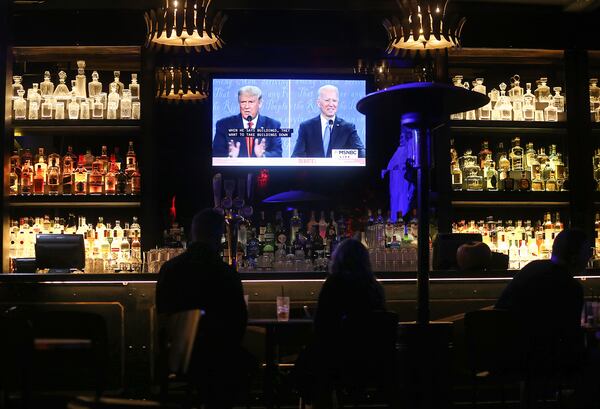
(60, 252)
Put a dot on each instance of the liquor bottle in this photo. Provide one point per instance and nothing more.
(134, 88)
(524, 184)
(597, 230)
(34, 100)
(26, 179)
(126, 105)
(528, 104)
(98, 109)
(95, 86)
(513, 256)
(47, 86)
(471, 172)
(516, 154)
(73, 107)
(62, 91)
(558, 225)
(113, 102)
(117, 83)
(16, 86)
(389, 229)
(262, 227)
(47, 107)
(130, 159)
(472, 114)
(13, 184)
(530, 156)
(295, 224)
(542, 92)
(398, 230)
(379, 230)
(110, 180)
(551, 183)
(457, 176)
(550, 112)
(96, 178)
(457, 81)
(318, 245)
(322, 225)
(331, 240)
(80, 177)
(508, 182)
(537, 184)
(504, 104)
(490, 174)
(38, 180)
(483, 154)
(135, 182)
(516, 97)
(53, 179)
(80, 80)
(560, 170)
(559, 100)
(252, 246)
(136, 246)
(121, 183)
(311, 222)
(20, 105)
(594, 94)
(413, 225)
(542, 159)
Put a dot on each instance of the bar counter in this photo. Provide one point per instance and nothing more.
(126, 302)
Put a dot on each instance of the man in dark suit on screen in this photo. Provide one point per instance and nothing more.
(318, 136)
(250, 101)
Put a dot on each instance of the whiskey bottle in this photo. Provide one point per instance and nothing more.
(20, 105)
(597, 231)
(508, 183)
(483, 154)
(13, 184)
(542, 159)
(117, 83)
(73, 107)
(135, 182)
(130, 160)
(542, 92)
(53, 178)
(550, 112)
(504, 104)
(537, 184)
(560, 171)
(38, 180)
(98, 110)
(96, 178)
(126, 105)
(134, 88)
(312, 222)
(80, 176)
(121, 183)
(530, 156)
(456, 175)
(559, 100)
(113, 102)
(110, 180)
(323, 225)
(516, 154)
(551, 183)
(524, 182)
(491, 175)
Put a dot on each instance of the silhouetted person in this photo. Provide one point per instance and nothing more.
(351, 290)
(547, 300)
(199, 278)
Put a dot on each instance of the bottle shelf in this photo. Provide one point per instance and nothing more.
(521, 127)
(506, 199)
(75, 201)
(85, 126)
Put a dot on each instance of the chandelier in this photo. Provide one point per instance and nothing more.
(185, 23)
(425, 25)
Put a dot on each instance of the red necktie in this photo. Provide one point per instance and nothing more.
(250, 141)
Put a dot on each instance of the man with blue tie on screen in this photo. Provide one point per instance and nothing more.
(318, 136)
(250, 101)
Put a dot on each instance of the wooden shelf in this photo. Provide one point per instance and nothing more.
(124, 58)
(75, 201)
(522, 199)
(88, 127)
(505, 127)
(504, 56)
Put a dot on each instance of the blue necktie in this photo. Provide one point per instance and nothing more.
(326, 137)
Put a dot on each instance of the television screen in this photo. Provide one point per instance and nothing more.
(287, 122)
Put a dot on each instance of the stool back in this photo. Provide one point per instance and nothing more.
(181, 329)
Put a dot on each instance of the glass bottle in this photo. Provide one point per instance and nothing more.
(96, 178)
(516, 154)
(47, 108)
(38, 180)
(117, 83)
(134, 88)
(560, 169)
(110, 180)
(80, 177)
(121, 184)
(457, 176)
(34, 100)
(94, 86)
(13, 181)
(295, 224)
(537, 184)
(457, 81)
(84, 109)
(80, 80)
(542, 92)
(62, 91)
(516, 97)
(483, 154)
(113, 102)
(542, 159)
(530, 156)
(130, 160)
(26, 178)
(16, 86)
(126, 104)
(524, 183)
(472, 114)
(53, 178)
(491, 174)
(88, 160)
(472, 172)
(40, 160)
(136, 182)
(73, 107)
(550, 112)
(551, 183)
(594, 94)
(20, 105)
(504, 104)
(559, 100)
(98, 110)
(528, 104)
(47, 86)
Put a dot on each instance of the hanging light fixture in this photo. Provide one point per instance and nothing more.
(185, 23)
(181, 84)
(425, 25)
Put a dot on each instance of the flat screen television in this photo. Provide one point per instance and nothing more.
(60, 252)
(288, 122)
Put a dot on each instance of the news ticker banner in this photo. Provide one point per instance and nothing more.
(289, 101)
(340, 157)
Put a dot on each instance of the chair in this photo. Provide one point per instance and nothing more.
(177, 338)
(495, 349)
(368, 358)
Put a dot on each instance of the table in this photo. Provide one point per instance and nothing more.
(271, 326)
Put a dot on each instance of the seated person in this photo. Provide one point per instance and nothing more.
(199, 279)
(350, 290)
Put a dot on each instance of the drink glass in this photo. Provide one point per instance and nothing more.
(283, 308)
